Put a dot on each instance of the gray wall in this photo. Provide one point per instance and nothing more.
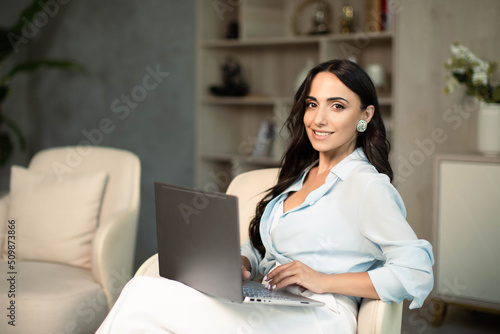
(116, 41)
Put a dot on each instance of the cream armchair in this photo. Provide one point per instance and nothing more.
(70, 226)
(375, 316)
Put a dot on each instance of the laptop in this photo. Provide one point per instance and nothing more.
(199, 245)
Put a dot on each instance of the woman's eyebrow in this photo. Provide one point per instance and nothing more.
(328, 99)
(336, 98)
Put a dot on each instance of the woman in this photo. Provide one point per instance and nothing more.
(333, 227)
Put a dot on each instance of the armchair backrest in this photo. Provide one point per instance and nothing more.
(119, 164)
(250, 188)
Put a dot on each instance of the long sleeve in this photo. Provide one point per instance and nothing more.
(253, 256)
(407, 271)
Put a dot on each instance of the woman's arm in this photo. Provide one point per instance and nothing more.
(252, 257)
(407, 271)
(352, 284)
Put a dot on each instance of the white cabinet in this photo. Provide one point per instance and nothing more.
(467, 235)
(271, 56)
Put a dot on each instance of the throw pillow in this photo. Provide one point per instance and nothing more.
(55, 219)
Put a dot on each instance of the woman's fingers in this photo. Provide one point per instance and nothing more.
(294, 273)
(245, 268)
(245, 274)
(284, 269)
(284, 275)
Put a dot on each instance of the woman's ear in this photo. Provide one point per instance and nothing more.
(368, 113)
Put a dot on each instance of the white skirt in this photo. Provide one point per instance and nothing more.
(150, 305)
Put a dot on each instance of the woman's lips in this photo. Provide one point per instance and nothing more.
(321, 135)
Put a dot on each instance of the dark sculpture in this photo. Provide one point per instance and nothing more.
(234, 83)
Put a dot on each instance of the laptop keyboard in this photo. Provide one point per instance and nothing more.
(254, 292)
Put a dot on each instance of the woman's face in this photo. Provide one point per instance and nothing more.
(331, 115)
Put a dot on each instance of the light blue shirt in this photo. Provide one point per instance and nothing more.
(354, 222)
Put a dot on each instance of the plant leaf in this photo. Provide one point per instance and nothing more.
(31, 66)
(495, 95)
(4, 91)
(27, 15)
(14, 33)
(13, 126)
(6, 148)
(5, 45)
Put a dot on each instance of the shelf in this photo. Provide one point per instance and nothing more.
(298, 40)
(247, 159)
(270, 41)
(353, 37)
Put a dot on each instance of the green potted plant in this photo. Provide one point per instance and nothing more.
(466, 68)
(8, 47)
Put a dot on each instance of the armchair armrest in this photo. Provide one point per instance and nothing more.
(4, 208)
(378, 317)
(149, 267)
(113, 253)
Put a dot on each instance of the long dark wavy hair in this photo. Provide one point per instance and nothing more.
(300, 154)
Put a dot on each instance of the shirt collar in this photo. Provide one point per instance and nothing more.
(346, 166)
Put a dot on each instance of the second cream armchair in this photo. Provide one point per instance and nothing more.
(73, 216)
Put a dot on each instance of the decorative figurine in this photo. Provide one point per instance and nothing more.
(234, 83)
(320, 19)
(347, 19)
(233, 30)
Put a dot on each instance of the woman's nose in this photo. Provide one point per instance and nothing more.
(320, 118)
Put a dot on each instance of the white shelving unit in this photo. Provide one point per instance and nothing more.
(271, 57)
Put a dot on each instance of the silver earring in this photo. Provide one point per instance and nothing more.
(362, 125)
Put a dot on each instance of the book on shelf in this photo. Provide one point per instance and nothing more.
(264, 141)
(378, 15)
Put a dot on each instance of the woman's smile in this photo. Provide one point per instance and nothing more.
(322, 135)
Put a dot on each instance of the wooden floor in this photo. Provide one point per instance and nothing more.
(457, 320)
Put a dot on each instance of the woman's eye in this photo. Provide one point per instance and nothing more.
(338, 106)
(310, 105)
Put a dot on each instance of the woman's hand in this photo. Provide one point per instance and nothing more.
(351, 284)
(245, 268)
(296, 273)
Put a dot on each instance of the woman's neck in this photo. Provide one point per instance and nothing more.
(328, 160)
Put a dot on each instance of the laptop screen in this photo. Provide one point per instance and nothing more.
(198, 239)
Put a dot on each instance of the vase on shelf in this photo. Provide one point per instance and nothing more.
(488, 129)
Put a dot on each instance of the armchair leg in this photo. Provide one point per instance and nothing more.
(438, 312)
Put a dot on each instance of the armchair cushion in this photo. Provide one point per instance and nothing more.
(53, 298)
(55, 219)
